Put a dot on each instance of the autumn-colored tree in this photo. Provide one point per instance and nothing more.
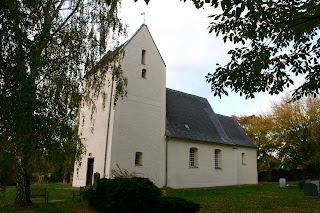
(296, 129)
(259, 129)
(287, 136)
(48, 52)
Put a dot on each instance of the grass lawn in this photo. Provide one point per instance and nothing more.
(266, 197)
(60, 200)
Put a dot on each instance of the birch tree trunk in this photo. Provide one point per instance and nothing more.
(23, 186)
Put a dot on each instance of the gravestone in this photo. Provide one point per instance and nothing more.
(316, 182)
(282, 182)
(96, 177)
(308, 181)
(310, 190)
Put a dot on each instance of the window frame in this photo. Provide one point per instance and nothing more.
(243, 158)
(144, 73)
(143, 56)
(138, 160)
(218, 159)
(193, 157)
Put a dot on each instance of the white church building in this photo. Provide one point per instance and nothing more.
(173, 138)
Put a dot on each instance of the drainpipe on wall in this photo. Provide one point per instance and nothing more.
(167, 141)
(108, 126)
(235, 155)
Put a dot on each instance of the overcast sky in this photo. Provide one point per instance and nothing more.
(189, 51)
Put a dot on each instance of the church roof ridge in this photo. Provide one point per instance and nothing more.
(184, 93)
(128, 41)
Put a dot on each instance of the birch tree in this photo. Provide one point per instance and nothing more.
(49, 51)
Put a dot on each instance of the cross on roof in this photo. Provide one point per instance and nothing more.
(144, 17)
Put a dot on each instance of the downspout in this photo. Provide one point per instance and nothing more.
(167, 141)
(108, 126)
(235, 155)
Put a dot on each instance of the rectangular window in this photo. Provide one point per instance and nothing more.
(217, 159)
(191, 164)
(144, 73)
(143, 57)
(243, 156)
(193, 157)
(138, 159)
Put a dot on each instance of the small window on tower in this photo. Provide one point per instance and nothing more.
(144, 73)
(138, 159)
(143, 57)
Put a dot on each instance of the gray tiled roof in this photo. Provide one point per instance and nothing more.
(234, 131)
(191, 117)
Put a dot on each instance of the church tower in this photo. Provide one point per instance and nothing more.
(131, 134)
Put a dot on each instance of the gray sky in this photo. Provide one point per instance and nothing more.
(189, 51)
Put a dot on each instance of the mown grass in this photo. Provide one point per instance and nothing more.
(60, 200)
(249, 198)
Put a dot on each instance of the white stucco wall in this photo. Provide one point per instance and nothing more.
(93, 131)
(139, 124)
(181, 175)
(247, 172)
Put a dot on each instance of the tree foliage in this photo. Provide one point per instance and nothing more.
(279, 39)
(297, 131)
(49, 51)
(288, 136)
(259, 129)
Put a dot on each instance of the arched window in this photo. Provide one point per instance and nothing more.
(143, 57)
(217, 158)
(144, 73)
(193, 157)
(138, 159)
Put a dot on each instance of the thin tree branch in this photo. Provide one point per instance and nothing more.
(66, 20)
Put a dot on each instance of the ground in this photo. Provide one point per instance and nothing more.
(264, 197)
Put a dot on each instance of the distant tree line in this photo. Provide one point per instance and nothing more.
(287, 136)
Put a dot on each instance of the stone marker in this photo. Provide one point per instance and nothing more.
(310, 190)
(308, 181)
(282, 182)
(316, 182)
(95, 180)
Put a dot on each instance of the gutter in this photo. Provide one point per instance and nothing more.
(167, 141)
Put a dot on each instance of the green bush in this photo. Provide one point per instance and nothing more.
(301, 184)
(133, 194)
(178, 205)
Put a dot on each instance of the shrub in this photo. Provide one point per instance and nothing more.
(301, 184)
(133, 194)
(123, 173)
(178, 205)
